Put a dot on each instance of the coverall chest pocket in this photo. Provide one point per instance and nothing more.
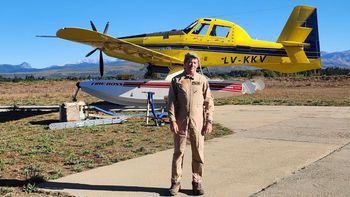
(181, 89)
(197, 92)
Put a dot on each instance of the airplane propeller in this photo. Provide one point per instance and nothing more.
(93, 51)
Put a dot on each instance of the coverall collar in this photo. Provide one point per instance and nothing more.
(188, 76)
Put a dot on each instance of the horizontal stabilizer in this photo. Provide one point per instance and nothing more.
(295, 51)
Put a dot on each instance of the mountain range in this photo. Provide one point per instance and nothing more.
(85, 68)
(336, 59)
(80, 69)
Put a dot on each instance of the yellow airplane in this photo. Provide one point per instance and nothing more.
(217, 42)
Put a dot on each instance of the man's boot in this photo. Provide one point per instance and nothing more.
(174, 189)
(197, 188)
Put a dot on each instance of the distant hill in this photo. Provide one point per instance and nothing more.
(112, 68)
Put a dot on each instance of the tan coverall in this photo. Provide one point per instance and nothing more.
(190, 103)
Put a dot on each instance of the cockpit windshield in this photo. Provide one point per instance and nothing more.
(189, 28)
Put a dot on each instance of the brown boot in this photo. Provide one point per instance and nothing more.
(175, 188)
(197, 189)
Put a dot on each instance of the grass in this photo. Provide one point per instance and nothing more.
(32, 152)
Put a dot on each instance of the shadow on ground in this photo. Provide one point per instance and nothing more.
(120, 188)
(79, 186)
(44, 122)
(17, 115)
(12, 183)
(20, 183)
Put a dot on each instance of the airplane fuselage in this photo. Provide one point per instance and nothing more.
(232, 47)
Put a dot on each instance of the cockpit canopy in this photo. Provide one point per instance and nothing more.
(211, 27)
(190, 27)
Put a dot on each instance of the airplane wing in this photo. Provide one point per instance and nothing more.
(118, 48)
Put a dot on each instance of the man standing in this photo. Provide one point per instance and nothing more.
(191, 108)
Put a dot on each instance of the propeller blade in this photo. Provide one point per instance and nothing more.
(106, 28)
(101, 63)
(91, 52)
(93, 26)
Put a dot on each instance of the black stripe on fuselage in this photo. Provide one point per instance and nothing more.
(229, 49)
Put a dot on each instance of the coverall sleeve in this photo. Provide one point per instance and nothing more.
(208, 102)
(172, 101)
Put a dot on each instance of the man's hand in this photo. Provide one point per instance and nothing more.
(173, 127)
(208, 127)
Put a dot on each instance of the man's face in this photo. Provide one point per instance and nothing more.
(191, 66)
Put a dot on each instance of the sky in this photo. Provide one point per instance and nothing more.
(22, 20)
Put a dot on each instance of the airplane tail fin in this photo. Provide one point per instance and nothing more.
(300, 39)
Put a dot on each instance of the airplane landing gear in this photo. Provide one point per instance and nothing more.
(74, 97)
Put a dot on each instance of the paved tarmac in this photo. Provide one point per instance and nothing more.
(276, 151)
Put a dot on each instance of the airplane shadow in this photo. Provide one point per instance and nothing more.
(17, 115)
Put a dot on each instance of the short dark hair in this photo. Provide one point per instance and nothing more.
(191, 55)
